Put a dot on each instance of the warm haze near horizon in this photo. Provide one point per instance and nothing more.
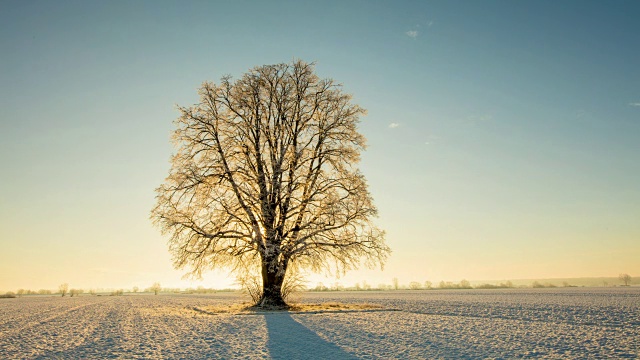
(504, 137)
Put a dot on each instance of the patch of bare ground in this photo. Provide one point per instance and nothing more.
(321, 308)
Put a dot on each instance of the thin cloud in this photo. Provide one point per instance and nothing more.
(634, 104)
(393, 125)
(415, 32)
(478, 119)
(430, 140)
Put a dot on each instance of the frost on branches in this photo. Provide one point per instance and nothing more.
(265, 177)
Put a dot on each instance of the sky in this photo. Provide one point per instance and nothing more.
(503, 136)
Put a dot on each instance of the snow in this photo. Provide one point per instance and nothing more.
(513, 323)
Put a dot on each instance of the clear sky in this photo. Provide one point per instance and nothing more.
(504, 136)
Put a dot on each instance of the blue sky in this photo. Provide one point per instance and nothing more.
(504, 137)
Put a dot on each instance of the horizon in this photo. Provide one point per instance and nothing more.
(595, 281)
(502, 137)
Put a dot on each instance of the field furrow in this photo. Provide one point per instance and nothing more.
(558, 324)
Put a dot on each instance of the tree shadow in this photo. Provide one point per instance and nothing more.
(288, 339)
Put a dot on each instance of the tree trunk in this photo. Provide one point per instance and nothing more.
(272, 281)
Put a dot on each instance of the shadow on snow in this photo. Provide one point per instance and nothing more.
(288, 339)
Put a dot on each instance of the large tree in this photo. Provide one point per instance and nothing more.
(266, 176)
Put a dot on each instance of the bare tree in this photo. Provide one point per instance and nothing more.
(63, 289)
(265, 177)
(365, 285)
(395, 283)
(625, 278)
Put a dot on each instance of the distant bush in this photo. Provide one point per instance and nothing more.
(506, 285)
(487, 286)
(21, 292)
(464, 284)
(8, 295)
(171, 290)
(384, 287)
(359, 286)
(537, 285)
(337, 286)
(320, 287)
(198, 290)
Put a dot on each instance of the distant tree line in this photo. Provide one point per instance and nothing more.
(395, 285)
(298, 285)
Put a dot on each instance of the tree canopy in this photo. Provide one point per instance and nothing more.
(265, 176)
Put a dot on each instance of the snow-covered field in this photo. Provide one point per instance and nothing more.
(515, 323)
